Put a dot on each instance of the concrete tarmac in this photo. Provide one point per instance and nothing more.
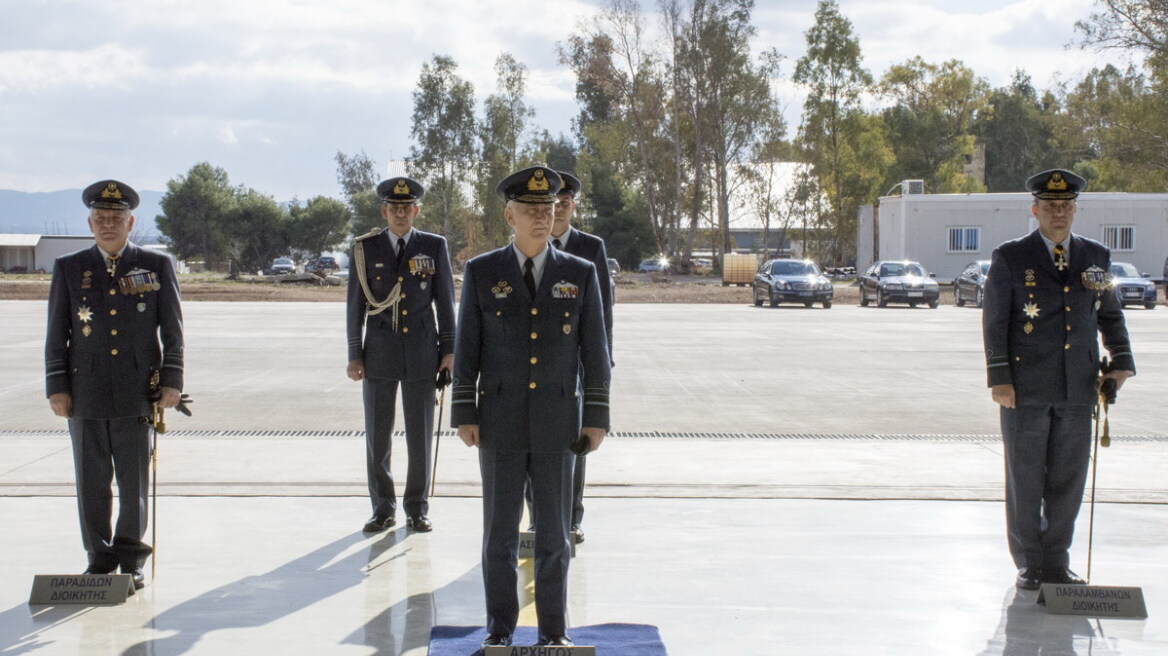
(788, 480)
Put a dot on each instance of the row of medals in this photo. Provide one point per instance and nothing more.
(133, 284)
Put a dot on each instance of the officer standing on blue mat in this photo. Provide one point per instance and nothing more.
(531, 378)
(399, 277)
(1047, 299)
(590, 247)
(109, 305)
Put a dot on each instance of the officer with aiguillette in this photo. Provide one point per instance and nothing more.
(399, 278)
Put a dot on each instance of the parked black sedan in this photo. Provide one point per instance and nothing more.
(969, 285)
(898, 282)
(792, 281)
(1133, 287)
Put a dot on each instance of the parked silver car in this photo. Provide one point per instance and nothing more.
(898, 282)
(792, 281)
(1133, 287)
(281, 266)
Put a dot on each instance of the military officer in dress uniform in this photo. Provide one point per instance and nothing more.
(531, 374)
(109, 305)
(399, 278)
(590, 247)
(1047, 298)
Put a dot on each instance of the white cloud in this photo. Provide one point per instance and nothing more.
(109, 66)
(271, 89)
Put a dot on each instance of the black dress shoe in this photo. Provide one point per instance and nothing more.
(555, 641)
(378, 523)
(136, 574)
(496, 640)
(419, 523)
(1029, 578)
(577, 533)
(1061, 576)
(100, 569)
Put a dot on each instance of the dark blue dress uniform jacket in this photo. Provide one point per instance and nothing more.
(108, 372)
(414, 350)
(1057, 360)
(591, 248)
(519, 363)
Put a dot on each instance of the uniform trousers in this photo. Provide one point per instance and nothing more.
(1047, 449)
(577, 517)
(103, 449)
(505, 475)
(418, 407)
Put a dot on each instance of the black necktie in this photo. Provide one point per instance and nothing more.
(557, 244)
(529, 277)
(401, 249)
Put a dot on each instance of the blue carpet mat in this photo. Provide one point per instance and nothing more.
(622, 639)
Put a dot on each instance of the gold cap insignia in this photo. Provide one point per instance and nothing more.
(538, 181)
(401, 188)
(111, 191)
(1056, 182)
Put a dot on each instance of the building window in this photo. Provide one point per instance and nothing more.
(964, 239)
(1119, 237)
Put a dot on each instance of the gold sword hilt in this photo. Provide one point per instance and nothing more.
(158, 420)
(1101, 415)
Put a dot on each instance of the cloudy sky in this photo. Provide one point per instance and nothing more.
(270, 90)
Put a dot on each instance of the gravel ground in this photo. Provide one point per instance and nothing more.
(630, 288)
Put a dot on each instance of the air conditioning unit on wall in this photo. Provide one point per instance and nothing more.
(912, 187)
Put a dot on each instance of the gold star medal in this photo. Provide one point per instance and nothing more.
(1031, 310)
(84, 314)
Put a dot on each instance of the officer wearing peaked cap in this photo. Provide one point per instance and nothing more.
(567, 238)
(114, 322)
(531, 375)
(399, 279)
(1046, 301)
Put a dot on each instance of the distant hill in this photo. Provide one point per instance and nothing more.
(61, 212)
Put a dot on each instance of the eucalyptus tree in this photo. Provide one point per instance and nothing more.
(1018, 131)
(500, 132)
(444, 151)
(931, 122)
(845, 149)
(357, 175)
